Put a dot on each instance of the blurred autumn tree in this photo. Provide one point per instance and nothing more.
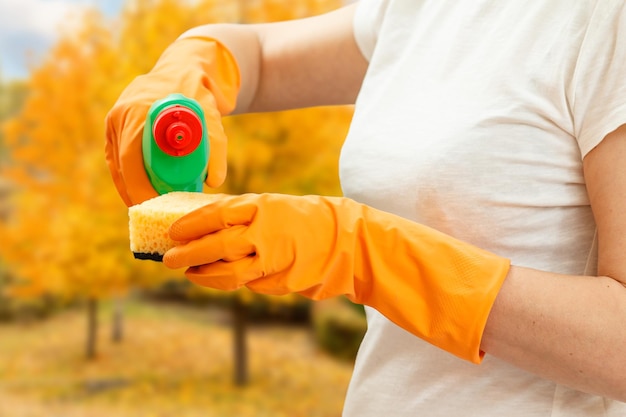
(67, 234)
(12, 96)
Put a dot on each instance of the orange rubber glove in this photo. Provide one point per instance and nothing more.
(428, 283)
(200, 68)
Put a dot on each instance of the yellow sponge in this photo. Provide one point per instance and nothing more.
(149, 222)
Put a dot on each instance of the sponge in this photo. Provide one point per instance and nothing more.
(149, 222)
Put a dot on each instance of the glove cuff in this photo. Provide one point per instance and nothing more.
(429, 283)
(219, 71)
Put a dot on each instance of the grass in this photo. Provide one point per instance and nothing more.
(174, 361)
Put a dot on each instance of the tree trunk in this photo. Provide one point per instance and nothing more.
(239, 311)
(92, 328)
(117, 328)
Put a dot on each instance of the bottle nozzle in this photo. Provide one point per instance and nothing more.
(177, 130)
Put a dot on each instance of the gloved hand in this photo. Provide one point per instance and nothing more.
(428, 283)
(200, 68)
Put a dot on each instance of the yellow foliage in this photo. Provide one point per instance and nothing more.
(294, 152)
(68, 232)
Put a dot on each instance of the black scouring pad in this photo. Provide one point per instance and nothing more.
(157, 257)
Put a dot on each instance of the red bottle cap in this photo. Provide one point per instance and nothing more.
(177, 130)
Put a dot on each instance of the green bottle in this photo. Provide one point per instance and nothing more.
(176, 145)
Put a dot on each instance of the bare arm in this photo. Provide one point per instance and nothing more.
(572, 329)
(300, 63)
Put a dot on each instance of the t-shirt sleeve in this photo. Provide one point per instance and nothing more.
(367, 22)
(599, 84)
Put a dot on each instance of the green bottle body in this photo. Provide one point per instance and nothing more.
(175, 145)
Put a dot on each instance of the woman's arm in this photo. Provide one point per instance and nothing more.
(572, 329)
(299, 63)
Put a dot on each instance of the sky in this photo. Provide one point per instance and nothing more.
(29, 27)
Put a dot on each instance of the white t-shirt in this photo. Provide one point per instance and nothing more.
(473, 119)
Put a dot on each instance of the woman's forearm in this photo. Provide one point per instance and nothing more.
(293, 64)
(243, 42)
(569, 329)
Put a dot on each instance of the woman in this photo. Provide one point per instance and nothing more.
(499, 124)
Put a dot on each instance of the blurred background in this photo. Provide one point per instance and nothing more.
(85, 329)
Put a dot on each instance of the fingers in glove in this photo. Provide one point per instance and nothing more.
(211, 218)
(124, 156)
(225, 245)
(217, 153)
(247, 272)
(226, 276)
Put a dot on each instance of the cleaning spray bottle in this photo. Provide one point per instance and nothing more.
(175, 145)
